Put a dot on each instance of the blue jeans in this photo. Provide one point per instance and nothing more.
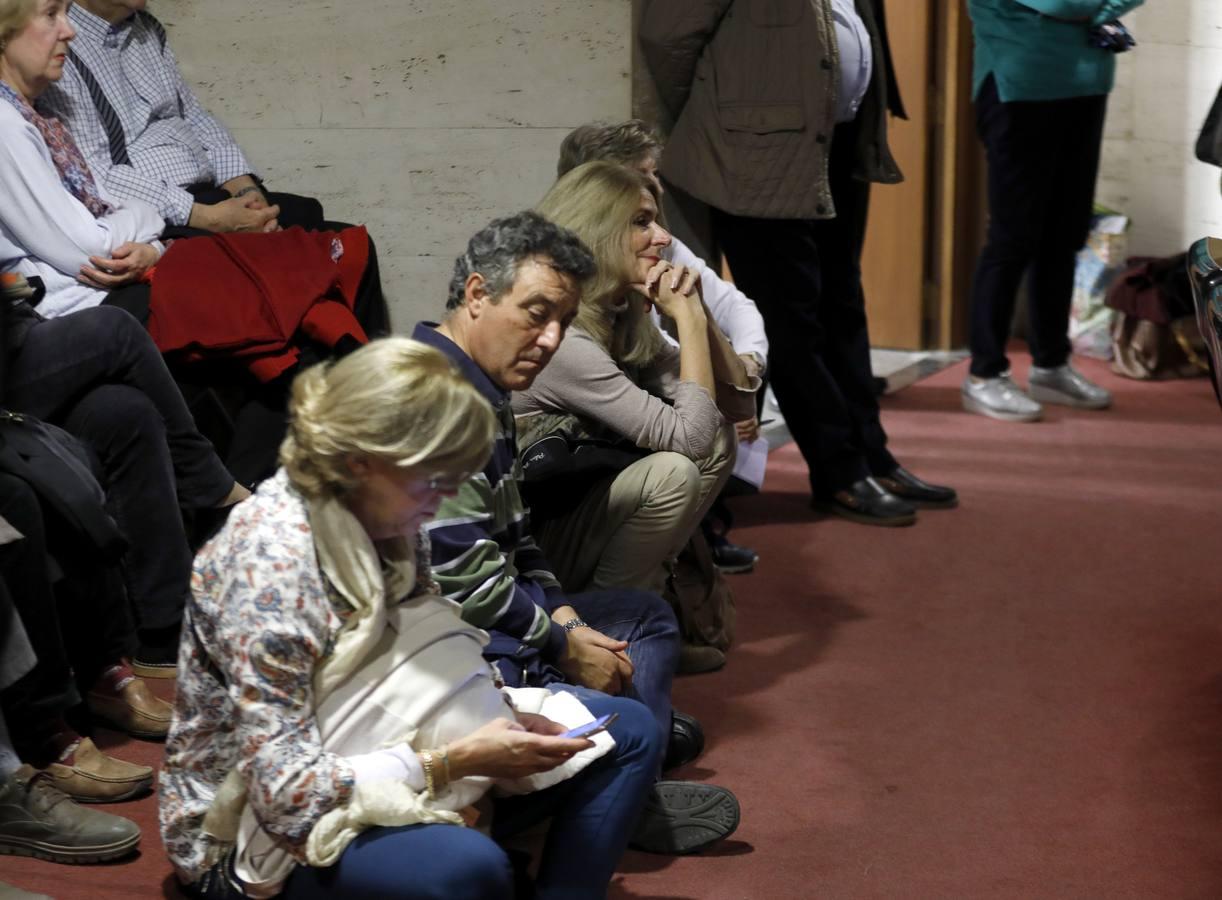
(592, 816)
(648, 624)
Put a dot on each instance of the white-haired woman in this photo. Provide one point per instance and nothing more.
(290, 766)
(93, 369)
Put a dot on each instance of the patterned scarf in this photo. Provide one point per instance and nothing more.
(71, 165)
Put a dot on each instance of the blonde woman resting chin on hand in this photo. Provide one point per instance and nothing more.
(616, 378)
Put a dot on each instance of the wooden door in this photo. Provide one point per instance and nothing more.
(894, 261)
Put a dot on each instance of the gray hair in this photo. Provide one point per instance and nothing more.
(496, 250)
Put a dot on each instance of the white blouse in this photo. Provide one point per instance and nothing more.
(47, 232)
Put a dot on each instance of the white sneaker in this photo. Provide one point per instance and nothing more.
(999, 398)
(1068, 387)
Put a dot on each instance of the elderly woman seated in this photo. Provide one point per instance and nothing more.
(94, 370)
(336, 730)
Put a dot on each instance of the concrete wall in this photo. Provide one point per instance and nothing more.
(421, 118)
(1163, 91)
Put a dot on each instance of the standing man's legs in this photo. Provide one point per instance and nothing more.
(846, 348)
(776, 263)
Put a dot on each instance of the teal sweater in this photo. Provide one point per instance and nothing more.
(1033, 53)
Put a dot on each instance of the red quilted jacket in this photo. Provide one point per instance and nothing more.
(250, 296)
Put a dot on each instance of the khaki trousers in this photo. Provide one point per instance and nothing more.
(629, 526)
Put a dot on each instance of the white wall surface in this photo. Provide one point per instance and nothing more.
(1164, 88)
(422, 119)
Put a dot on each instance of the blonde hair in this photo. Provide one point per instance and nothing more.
(14, 15)
(597, 201)
(395, 399)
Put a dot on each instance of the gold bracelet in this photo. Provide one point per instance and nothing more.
(426, 759)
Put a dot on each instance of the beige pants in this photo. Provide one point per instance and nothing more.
(628, 527)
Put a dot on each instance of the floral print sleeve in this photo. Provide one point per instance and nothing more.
(261, 619)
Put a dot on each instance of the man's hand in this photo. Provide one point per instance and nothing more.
(592, 659)
(126, 265)
(236, 214)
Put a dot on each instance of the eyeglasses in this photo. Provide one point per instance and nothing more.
(445, 484)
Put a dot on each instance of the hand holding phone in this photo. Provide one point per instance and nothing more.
(589, 728)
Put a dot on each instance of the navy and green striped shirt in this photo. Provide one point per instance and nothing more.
(484, 557)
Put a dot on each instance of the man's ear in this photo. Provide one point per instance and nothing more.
(475, 294)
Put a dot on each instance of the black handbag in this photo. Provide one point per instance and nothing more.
(558, 469)
(58, 468)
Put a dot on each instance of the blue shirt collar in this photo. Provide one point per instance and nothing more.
(427, 333)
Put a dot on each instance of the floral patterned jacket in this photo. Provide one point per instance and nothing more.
(261, 619)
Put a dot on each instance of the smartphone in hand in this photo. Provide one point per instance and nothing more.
(589, 728)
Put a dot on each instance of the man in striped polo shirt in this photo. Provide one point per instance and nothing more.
(513, 294)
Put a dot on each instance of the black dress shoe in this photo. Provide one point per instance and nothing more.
(919, 493)
(868, 503)
(686, 741)
(731, 558)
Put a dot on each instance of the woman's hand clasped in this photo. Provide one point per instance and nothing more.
(507, 749)
(127, 264)
(673, 289)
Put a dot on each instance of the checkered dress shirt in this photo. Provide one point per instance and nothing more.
(163, 140)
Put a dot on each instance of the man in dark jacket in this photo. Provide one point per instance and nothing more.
(780, 111)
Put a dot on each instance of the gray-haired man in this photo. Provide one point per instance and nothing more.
(513, 294)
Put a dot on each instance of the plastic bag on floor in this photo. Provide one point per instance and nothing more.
(1099, 262)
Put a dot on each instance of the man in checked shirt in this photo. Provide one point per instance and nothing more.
(146, 136)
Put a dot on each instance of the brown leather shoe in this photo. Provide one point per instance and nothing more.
(135, 709)
(95, 777)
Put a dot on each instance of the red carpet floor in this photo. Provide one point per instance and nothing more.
(1018, 698)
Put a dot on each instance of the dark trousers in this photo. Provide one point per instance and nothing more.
(97, 374)
(805, 277)
(75, 627)
(1043, 157)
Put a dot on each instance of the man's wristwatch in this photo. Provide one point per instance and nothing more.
(246, 190)
(574, 623)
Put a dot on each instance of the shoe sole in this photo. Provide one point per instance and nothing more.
(138, 790)
(10, 846)
(739, 569)
(973, 405)
(929, 504)
(835, 509)
(676, 829)
(1044, 395)
(151, 670)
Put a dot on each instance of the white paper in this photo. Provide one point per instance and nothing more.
(752, 461)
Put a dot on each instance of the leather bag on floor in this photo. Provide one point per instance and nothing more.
(1153, 351)
(701, 597)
